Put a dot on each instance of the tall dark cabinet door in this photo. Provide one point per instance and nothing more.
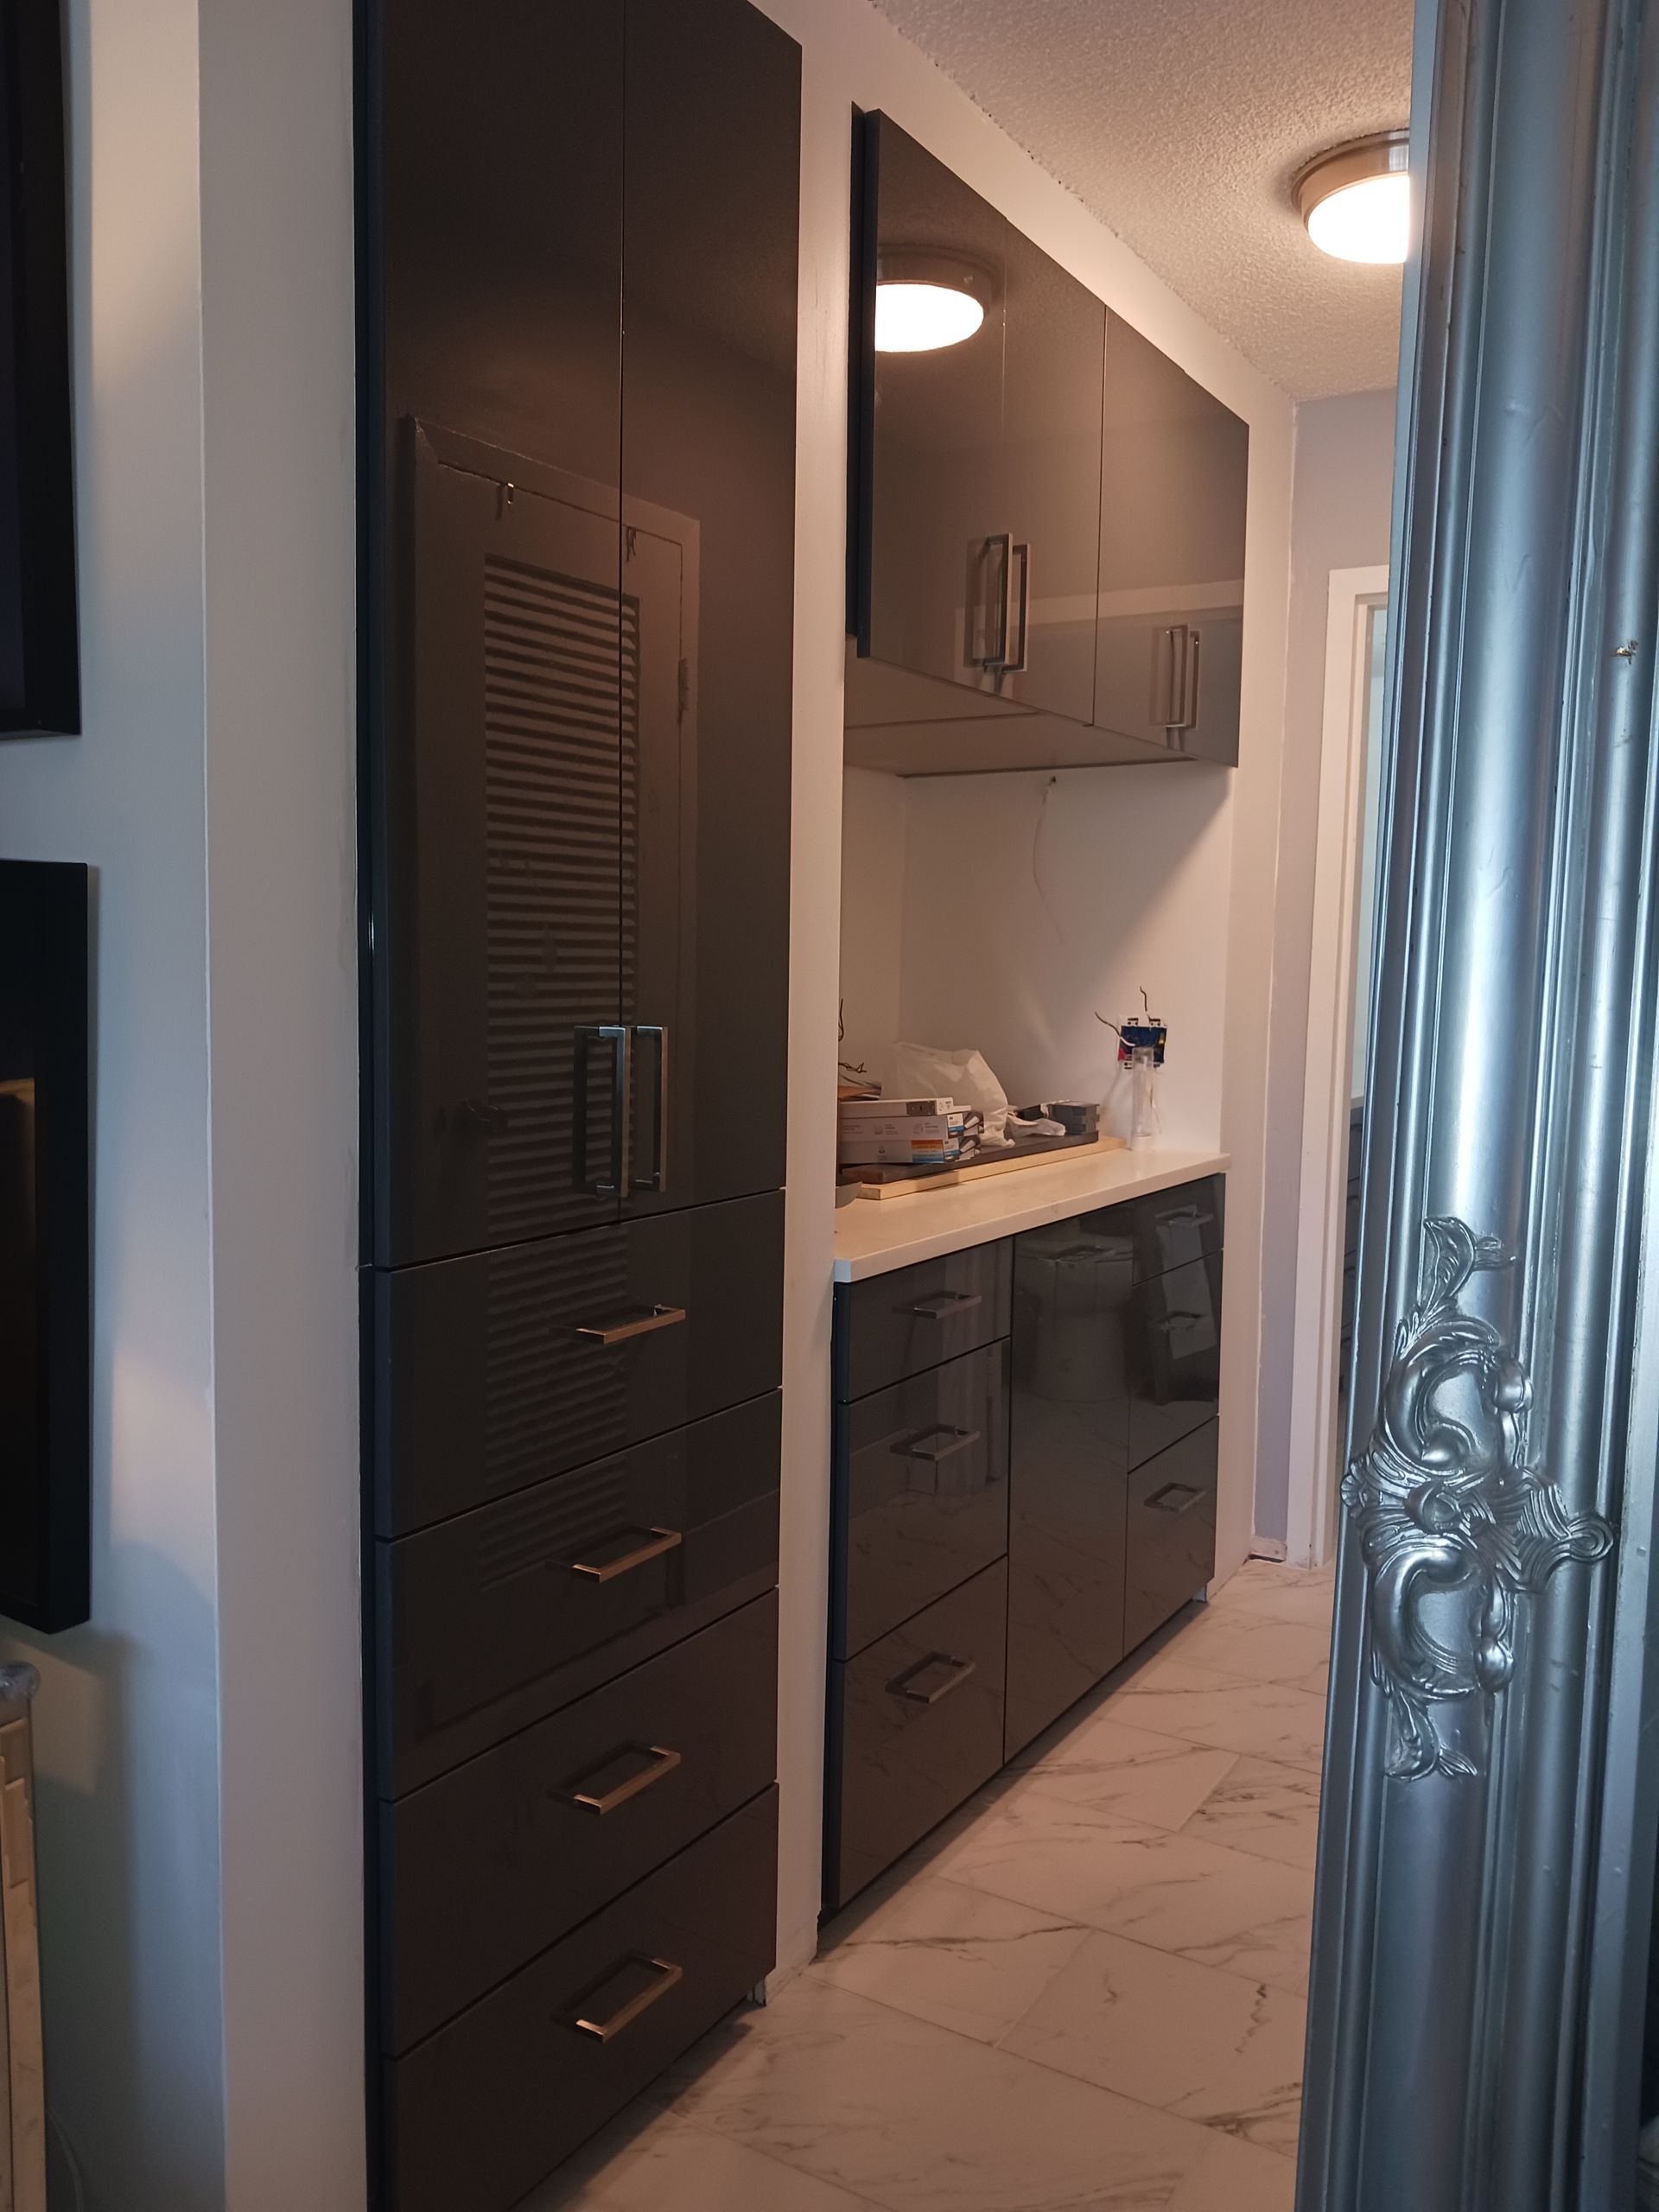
(709, 262)
(1068, 1485)
(936, 585)
(1054, 345)
(1174, 471)
(511, 946)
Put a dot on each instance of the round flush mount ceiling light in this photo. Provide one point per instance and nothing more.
(1356, 201)
(925, 300)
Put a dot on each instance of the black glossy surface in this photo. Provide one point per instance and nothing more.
(920, 1498)
(1174, 1355)
(489, 1624)
(1174, 471)
(45, 1206)
(478, 2113)
(1172, 1532)
(1073, 1287)
(899, 1763)
(489, 1866)
(1173, 1227)
(484, 1386)
(710, 229)
(896, 1325)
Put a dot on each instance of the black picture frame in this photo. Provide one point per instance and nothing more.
(45, 1257)
(40, 659)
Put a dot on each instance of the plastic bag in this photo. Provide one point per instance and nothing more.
(957, 1073)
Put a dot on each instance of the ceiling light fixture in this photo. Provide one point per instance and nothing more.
(1355, 200)
(925, 299)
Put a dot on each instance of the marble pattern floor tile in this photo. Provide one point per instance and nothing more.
(960, 1957)
(919, 2120)
(1176, 1892)
(1285, 1592)
(1265, 1719)
(1186, 2039)
(1250, 1646)
(1270, 1810)
(1235, 2176)
(1158, 1781)
(649, 2161)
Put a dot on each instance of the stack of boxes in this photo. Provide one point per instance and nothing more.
(917, 1133)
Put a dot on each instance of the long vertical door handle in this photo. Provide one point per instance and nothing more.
(1014, 661)
(993, 647)
(658, 1179)
(616, 1036)
(1194, 639)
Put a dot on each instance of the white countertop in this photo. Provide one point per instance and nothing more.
(873, 1237)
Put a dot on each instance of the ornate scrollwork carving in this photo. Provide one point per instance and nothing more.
(1448, 1510)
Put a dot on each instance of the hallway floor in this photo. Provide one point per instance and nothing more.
(1086, 1991)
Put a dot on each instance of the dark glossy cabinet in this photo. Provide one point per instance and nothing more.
(1024, 1490)
(1047, 541)
(578, 241)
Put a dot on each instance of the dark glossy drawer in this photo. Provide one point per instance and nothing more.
(1173, 1228)
(1171, 1533)
(479, 2113)
(481, 1871)
(896, 1325)
(915, 1727)
(493, 1372)
(921, 1494)
(501, 1617)
(1174, 1355)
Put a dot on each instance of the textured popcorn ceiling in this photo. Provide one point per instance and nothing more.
(1180, 124)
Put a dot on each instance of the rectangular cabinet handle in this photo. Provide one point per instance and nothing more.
(660, 1762)
(958, 1670)
(607, 2030)
(636, 1324)
(941, 1442)
(611, 1033)
(658, 1178)
(945, 1305)
(1173, 1498)
(659, 1542)
(1014, 662)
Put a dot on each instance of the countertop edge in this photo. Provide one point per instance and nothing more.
(933, 1223)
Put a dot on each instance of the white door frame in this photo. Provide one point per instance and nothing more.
(1327, 1102)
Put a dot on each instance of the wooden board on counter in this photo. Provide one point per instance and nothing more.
(947, 1179)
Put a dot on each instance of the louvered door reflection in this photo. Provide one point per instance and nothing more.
(514, 936)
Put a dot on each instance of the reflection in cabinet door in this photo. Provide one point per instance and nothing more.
(1175, 1355)
(1172, 1532)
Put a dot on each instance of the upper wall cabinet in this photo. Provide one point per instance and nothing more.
(1047, 516)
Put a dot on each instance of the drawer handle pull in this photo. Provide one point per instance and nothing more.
(945, 1307)
(1178, 1320)
(1188, 1216)
(945, 1443)
(663, 1762)
(659, 1542)
(907, 1685)
(607, 2031)
(1173, 1498)
(637, 1325)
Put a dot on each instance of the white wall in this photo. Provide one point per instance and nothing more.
(874, 835)
(199, 1780)
(1344, 486)
(852, 55)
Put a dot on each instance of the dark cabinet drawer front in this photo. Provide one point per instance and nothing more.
(916, 1726)
(921, 1493)
(1174, 1227)
(495, 1619)
(481, 1871)
(477, 2115)
(896, 1325)
(1172, 1532)
(1174, 1355)
(494, 1371)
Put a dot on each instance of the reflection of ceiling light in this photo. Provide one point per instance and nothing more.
(1356, 201)
(925, 300)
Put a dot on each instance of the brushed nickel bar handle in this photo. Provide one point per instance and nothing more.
(958, 1441)
(661, 1541)
(642, 1325)
(947, 1303)
(1162, 1501)
(658, 1179)
(606, 2031)
(662, 1763)
(1014, 664)
(613, 1034)
(961, 1669)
